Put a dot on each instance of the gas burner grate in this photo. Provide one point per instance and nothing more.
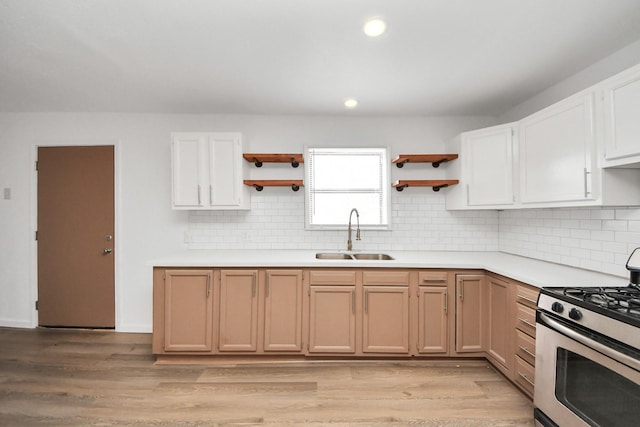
(623, 300)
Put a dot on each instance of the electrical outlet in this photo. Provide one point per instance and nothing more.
(7, 193)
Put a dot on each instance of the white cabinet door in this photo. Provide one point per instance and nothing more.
(621, 96)
(187, 170)
(487, 156)
(207, 171)
(225, 170)
(555, 148)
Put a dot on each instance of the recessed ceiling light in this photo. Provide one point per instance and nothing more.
(374, 27)
(351, 103)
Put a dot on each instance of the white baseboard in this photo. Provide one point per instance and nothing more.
(135, 328)
(13, 323)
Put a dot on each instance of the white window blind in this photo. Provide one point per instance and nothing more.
(339, 179)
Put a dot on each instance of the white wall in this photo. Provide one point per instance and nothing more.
(607, 67)
(146, 227)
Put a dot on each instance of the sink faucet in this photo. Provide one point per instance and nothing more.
(349, 243)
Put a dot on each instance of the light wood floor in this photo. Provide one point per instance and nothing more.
(70, 377)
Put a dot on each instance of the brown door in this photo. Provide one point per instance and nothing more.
(76, 236)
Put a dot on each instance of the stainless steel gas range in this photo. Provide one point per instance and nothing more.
(588, 354)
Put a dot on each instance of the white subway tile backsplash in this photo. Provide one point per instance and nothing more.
(419, 222)
(628, 214)
(598, 239)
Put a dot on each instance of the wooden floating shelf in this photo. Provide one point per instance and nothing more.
(259, 184)
(434, 159)
(259, 159)
(437, 184)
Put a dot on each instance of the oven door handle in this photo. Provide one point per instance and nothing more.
(601, 348)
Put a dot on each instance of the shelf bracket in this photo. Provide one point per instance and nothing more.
(258, 187)
(295, 164)
(437, 164)
(295, 187)
(401, 187)
(438, 187)
(258, 164)
(400, 165)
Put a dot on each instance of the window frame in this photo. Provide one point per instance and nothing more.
(384, 189)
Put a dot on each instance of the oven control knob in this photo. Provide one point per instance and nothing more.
(575, 314)
(557, 307)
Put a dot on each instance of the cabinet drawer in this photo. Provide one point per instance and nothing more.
(526, 319)
(332, 277)
(526, 347)
(525, 375)
(432, 278)
(527, 296)
(385, 278)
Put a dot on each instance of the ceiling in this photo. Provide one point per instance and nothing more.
(438, 57)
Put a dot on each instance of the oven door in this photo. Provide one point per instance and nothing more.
(583, 379)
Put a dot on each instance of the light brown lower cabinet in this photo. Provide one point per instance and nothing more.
(524, 349)
(188, 310)
(471, 310)
(332, 319)
(500, 345)
(359, 312)
(260, 311)
(283, 300)
(385, 321)
(433, 320)
(238, 323)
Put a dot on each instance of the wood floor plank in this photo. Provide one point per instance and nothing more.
(79, 378)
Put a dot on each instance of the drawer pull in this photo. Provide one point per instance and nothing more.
(432, 280)
(446, 303)
(526, 350)
(526, 322)
(524, 377)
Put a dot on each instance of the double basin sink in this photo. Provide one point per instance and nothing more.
(353, 256)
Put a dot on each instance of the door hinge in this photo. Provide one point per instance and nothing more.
(36, 305)
(36, 235)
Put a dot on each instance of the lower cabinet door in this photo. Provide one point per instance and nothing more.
(283, 310)
(385, 326)
(332, 319)
(433, 336)
(238, 311)
(500, 347)
(471, 307)
(188, 310)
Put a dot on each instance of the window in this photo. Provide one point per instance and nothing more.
(339, 179)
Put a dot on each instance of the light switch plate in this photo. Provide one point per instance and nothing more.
(7, 193)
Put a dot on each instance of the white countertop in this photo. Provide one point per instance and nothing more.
(527, 270)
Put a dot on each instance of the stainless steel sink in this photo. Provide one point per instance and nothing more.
(333, 255)
(352, 256)
(377, 257)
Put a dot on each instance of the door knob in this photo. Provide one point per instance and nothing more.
(107, 251)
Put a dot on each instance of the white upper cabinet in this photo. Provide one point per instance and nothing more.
(581, 151)
(207, 171)
(621, 113)
(556, 148)
(486, 169)
(488, 166)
